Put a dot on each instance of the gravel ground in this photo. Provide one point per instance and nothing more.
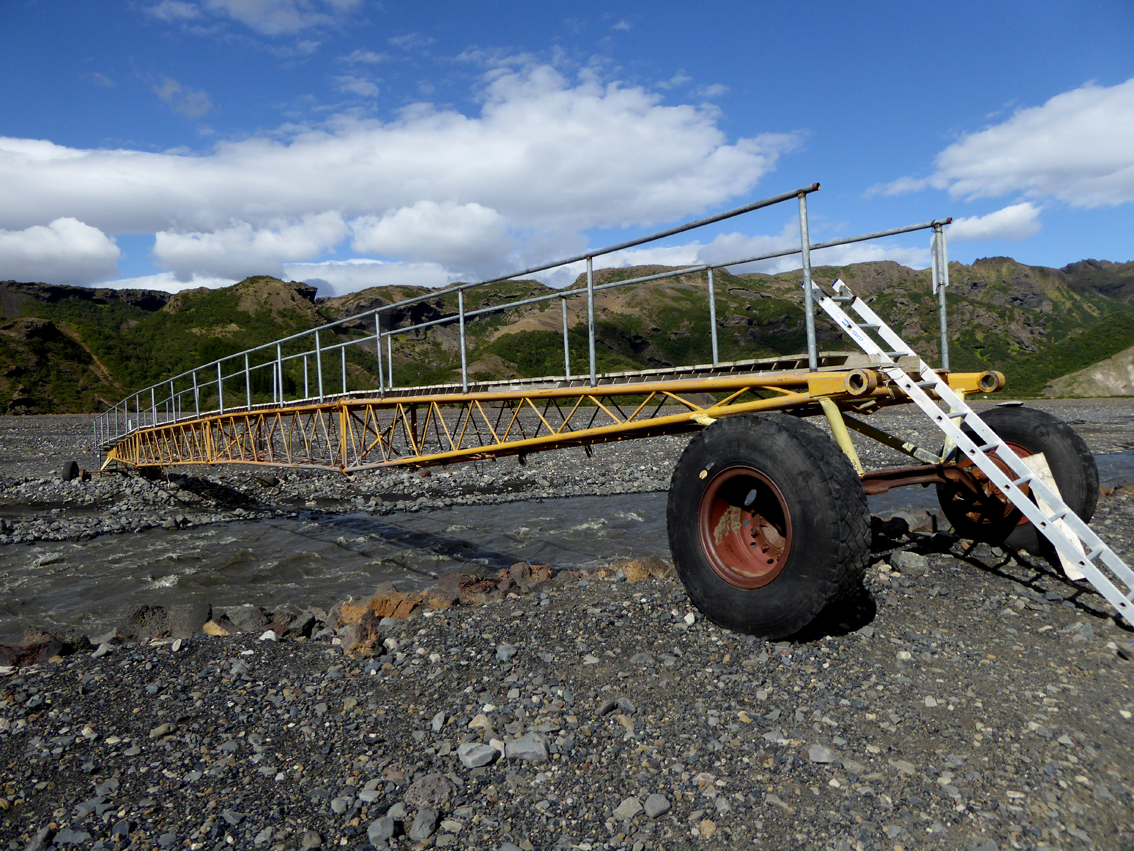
(966, 700)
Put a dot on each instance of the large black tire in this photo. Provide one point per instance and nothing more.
(768, 523)
(987, 517)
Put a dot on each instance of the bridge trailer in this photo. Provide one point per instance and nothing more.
(767, 514)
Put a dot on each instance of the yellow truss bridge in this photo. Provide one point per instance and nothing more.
(767, 515)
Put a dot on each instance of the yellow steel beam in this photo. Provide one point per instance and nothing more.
(362, 433)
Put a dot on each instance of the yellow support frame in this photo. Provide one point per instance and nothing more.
(351, 434)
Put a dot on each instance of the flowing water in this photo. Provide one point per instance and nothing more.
(319, 560)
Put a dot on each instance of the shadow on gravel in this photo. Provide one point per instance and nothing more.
(224, 496)
(1042, 575)
(840, 618)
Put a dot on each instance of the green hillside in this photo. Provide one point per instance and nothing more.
(68, 349)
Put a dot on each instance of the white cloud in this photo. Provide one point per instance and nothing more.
(189, 102)
(1075, 148)
(544, 156)
(174, 10)
(357, 85)
(66, 251)
(337, 277)
(1016, 222)
(283, 17)
(365, 57)
(455, 235)
(241, 250)
(169, 282)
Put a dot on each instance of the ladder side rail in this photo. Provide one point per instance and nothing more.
(1096, 547)
(1027, 507)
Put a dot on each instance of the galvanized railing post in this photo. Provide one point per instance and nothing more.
(808, 299)
(318, 365)
(306, 383)
(220, 388)
(566, 341)
(153, 407)
(378, 350)
(591, 317)
(196, 396)
(342, 352)
(464, 356)
(390, 357)
(278, 383)
(940, 283)
(713, 319)
(247, 384)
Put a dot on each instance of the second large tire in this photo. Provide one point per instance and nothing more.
(986, 517)
(768, 523)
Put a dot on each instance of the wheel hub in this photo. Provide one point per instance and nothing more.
(745, 527)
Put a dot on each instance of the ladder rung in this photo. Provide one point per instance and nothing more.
(1094, 554)
(898, 354)
(869, 326)
(842, 299)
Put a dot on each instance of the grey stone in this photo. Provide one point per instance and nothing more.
(66, 836)
(656, 805)
(910, 564)
(529, 747)
(41, 839)
(380, 830)
(311, 839)
(232, 817)
(424, 824)
(438, 722)
(505, 653)
(820, 753)
(430, 790)
(476, 754)
(264, 836)
(629, 808)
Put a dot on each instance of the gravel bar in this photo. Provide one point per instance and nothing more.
(965, 700)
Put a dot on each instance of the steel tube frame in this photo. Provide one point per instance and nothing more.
(713, 319)
(566, 341)
(591, 288)
(591, 319)
(464, 358)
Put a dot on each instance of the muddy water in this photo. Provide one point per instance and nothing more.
(318, 560)
(313, 560)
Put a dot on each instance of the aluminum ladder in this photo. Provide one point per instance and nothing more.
(1092, 556)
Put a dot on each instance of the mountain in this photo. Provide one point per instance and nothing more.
(76, 349)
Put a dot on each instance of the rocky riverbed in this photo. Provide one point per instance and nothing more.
(965, 700)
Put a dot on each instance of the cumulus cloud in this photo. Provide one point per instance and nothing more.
(545, 157)
(241, 250)
(1075, 148)
(189, 102)
(283, 17)
(455, 235)
(1016, 222)
(169, 282)
(337, 277)
(66, 251)
(357, 85)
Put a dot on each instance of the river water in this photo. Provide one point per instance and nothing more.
(319, 560)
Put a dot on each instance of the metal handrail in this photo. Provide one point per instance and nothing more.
(129, 414)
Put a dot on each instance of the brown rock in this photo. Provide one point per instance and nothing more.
(390, 605)
(215, 628)
(641, 569)
(435, 598)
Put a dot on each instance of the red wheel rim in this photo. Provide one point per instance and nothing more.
(745, 527)
(989, 493)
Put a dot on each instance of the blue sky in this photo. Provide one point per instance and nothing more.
(177, 143)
